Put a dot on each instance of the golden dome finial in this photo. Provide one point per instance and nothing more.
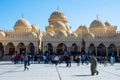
(58, 8)
(22, 15)
(97, 16)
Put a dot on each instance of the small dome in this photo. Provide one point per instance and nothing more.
(82, 29)
(97, 24)
(107, 23)
(35, 28)
(32, 35)
(89, 36)
(52, 32)
(59, 26)
(51, 26)
(2, 34)
(61, 34)
(49, 35)
(22, 25)
(57, 16)
(73, 35)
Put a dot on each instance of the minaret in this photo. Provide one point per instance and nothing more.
(97, 16)
(58, 8)
(22, 15)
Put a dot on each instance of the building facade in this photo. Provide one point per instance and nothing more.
(99, 38)
(25, 38)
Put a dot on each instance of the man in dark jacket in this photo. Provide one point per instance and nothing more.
(93, 65)
(25, 62)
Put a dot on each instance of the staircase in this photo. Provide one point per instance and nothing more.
(6, 58)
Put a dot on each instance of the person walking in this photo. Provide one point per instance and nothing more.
(68, 60)
(25, 62)
(56, 59)
(93, 65)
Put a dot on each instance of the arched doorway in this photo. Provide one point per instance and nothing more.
(112, 50)
(92, 50)
(83, 46)
(74, 49)
(31, 48)
(61, 48)
(21, 49)
(101, 50)
(10, 49)
(1, 50)
(49, 49)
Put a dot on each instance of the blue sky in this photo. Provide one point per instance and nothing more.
(77, 12)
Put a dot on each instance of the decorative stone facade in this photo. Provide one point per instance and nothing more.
(99, 38)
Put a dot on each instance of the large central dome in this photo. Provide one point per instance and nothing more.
(57, 16)
(59, 26)
(22, 25)
(97, 24)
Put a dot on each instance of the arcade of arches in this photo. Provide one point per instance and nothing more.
(20, 48)
(98, 38)
(100, 50)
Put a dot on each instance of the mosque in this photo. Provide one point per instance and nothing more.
(100, 38)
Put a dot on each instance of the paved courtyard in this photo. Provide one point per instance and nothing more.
(9, 71)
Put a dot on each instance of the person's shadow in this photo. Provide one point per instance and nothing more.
(84, 75)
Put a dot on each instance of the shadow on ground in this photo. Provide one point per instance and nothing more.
(83, 75)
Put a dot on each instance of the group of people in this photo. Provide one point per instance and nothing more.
(67, 59)
(57, 59)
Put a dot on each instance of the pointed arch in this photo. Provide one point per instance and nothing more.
(112, 50)
(21, 48)
(101, 50)
(61, 48)
(1, 49)
(74, 49)
(92, 49)
(50, 48)
(10, 49)
(31, 48)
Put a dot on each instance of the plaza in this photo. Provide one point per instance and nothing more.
(10, 71)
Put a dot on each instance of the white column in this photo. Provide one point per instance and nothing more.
(4, 49)
(43, 48)
(96, 51)
(26, 48)
(36, 49)
(68, 48)
(117, 51)
(106, 51)
(16, 50)
(80, 48)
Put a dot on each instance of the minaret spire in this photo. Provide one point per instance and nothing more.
(58, 8)
(22, 15)
(97, 16)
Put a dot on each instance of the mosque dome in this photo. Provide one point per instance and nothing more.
(61, 34)
(22, 25)
(57, 16)
(2, 34)
(49, 35)
(89, 36)
(35, 28)
(97, 24)
(107, 24)
(82, 29)
(52, 32)
(49, 28)
(32, 35)
(73, 35)
(59, 26)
